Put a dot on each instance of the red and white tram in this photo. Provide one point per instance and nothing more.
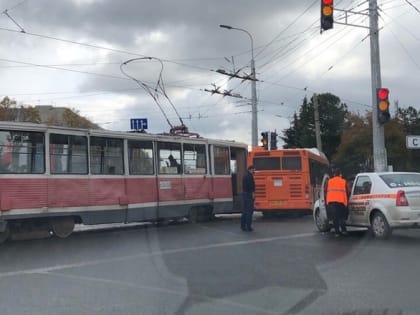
(54, 177)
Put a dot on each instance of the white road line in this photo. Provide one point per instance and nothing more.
(153, 253)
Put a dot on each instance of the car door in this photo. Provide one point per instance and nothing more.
(322, 201)
(359, 200)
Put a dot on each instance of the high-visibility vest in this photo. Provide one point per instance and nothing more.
(337, 190)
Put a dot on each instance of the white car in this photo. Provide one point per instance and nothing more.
(380, 201)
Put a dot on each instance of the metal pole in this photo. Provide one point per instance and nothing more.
(254, 120)
(254, 104)
(317, 126)
(379, 151)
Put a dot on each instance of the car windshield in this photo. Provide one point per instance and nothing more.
(402, 180)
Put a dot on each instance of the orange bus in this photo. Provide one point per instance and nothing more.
(287, 179)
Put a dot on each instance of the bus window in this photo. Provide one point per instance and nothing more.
(106, 156)
(194, 158)
(221, 160)
(22, 152)
(266, 163)
(68, 154)
(140, 157)
(292, 163)
(169, 155)
(317, 171)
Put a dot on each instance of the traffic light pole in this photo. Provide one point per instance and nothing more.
(379, 151)
(317, 124)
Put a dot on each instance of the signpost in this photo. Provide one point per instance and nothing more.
(138, 123)
(412, 142)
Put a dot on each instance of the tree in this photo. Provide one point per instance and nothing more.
(355, 154)
(72, 118)
(409, 118)
(29, 114)
(7, 109)
(332, 115)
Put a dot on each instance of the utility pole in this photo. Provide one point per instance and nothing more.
(379, 151)
(254, 122)
(317, 125)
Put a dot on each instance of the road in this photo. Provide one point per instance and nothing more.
(284, 267)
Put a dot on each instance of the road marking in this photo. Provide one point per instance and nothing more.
(153, 253)
(186, 294)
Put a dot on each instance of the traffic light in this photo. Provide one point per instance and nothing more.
(273, 141)
(264, 139)
(327, 10)
(383, 105)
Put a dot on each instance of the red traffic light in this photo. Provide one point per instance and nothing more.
(327, 2)
(382, 105)
(383, 93)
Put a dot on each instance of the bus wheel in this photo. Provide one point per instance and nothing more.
(4, 235)
(321, 224)
(62, 227)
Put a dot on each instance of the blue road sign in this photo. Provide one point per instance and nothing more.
(138, 123)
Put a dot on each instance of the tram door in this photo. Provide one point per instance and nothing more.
(238, 158)
(228, 169)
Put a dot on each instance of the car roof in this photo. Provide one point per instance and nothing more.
(386, 173)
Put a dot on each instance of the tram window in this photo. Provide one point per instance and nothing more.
(106, 156)
(221, 160)
(194, 158)
(22, 152)
(169, 156)
(68, 154)
(140, 157)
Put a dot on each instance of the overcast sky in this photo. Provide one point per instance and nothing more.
(69, 53)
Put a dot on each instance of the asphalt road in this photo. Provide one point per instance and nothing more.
(284, 267)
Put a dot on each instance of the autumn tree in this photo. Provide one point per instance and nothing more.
(72, 118)
(29, 114)
(8, 109)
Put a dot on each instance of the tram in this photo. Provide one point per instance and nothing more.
(52, 178)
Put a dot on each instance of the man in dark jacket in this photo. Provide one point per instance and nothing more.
(248, 187)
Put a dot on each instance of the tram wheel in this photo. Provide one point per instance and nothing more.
(193, 215)
(62, 227)
(4, 235)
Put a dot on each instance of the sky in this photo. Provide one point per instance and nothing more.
(105, 58)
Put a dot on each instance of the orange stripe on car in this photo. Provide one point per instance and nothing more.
(374, 196)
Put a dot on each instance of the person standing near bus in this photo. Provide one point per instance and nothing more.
(248, 186)
(337, 194)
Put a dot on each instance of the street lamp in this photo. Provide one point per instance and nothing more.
(254, 123)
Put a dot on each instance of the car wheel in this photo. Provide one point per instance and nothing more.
(380, 227)
(321, 224)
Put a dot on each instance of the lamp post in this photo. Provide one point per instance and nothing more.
(254, 122)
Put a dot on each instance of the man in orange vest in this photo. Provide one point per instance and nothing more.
(337, 193)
